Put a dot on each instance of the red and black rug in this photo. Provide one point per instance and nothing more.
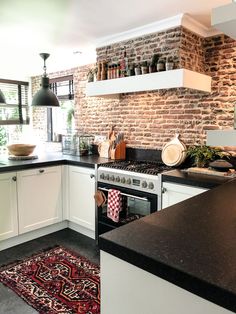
(55, 281)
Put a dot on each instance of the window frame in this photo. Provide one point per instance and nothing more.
(19, 105)
(70, 96)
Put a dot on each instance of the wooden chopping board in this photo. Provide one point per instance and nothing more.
(174, 152)
(210, 172)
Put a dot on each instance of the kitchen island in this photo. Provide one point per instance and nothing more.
(184, 255)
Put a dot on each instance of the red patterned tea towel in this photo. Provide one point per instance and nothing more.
(114, 204)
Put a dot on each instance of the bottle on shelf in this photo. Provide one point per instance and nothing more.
(99, 71)
(109, 72)
(114, 66)
(124, 66)
(118, 70)
(104, 71)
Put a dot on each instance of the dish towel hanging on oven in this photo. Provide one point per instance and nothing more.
(114, 204)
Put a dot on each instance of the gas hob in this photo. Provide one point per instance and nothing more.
(137, 175)
(148, 167)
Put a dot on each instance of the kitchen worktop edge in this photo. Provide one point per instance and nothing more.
(50, 159)
(180, 244)
(181, 176)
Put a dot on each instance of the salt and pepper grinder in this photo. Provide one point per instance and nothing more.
(118, 70)
(124, 65)
(109, 74)
(103, 71)
(99, 71)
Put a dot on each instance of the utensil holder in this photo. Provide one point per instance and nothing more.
(119, 152)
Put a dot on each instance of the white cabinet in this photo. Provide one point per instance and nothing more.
(81, 201)
(173, 193)
(128, 289)
(8, 206)
(39, 198)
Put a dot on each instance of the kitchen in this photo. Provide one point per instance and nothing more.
(149, 119)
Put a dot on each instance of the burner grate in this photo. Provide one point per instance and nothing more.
(147, 167)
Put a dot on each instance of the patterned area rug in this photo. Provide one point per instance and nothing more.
(55, 281)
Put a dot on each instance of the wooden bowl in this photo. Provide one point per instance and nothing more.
(21, 149)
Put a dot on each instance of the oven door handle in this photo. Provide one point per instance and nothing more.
(129, 195)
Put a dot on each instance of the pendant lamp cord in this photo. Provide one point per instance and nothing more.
(44, 68)
(44, 56)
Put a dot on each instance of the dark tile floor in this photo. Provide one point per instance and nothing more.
(10, 303)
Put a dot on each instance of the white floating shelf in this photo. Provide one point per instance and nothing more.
(221, 138)
(152, 81)
(224, 19)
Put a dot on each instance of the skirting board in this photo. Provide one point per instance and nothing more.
(5, 244)
(80, 229)
(28, 236)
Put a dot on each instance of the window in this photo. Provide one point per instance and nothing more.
(60, 120)
(63, 87)
(16, 110)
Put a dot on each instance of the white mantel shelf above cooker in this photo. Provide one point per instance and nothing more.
(153, 81)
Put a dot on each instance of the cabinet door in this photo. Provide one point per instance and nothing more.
(39, 198)
(174, 193)
(81, 196)
(8, 206)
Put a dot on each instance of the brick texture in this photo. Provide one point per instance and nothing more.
(150, 119)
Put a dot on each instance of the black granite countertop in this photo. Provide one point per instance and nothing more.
(191, 244)
(50, 159)
(57, 158)
(194, 179)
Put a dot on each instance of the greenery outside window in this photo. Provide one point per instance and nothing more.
(16, 109)
(60, 120)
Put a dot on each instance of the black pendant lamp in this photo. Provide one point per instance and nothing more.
(45, 97)
(2, 98)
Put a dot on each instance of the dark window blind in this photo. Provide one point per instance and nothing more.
(16, 109)
(63, 87)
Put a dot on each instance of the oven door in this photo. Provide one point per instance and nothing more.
(135, 204)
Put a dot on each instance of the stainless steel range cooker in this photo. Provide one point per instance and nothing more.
(139, 183)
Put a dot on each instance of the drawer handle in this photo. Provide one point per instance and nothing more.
(92, 176)
(14, 178)
(41, 171)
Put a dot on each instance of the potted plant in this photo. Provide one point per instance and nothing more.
(130, 71)
(137, 69)
(83, 147)
(144, 67)
(169, 63)
(161, 65)
(202, 154)
(90, 75)
(95, 71)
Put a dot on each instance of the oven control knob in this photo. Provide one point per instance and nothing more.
(150, 185)
(122, 180)
(112, 178)
(144, 184)
(128, 181)
(106, 177)
(102, 176)
(117, 179)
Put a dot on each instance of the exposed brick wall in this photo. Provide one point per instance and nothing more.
(142, 48)
(150, 119)
(191, 52)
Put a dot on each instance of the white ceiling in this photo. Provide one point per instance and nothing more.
(62, 27)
